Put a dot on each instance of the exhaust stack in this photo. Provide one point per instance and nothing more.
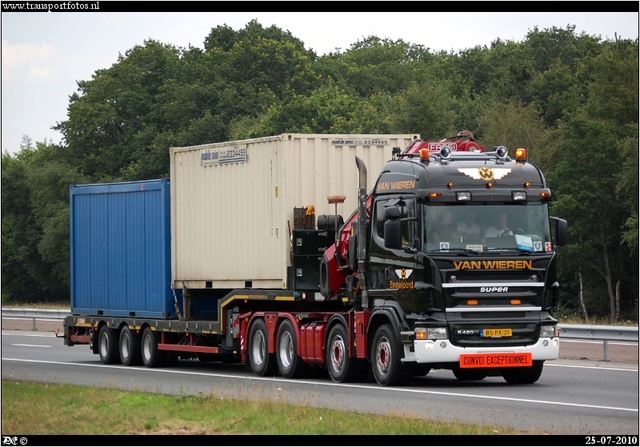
(362, 229)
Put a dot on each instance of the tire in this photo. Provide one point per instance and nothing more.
(385, 358)
(262, 363)
(469, 374)
(290, 364)
(108, 346)
(152, 357)
(341, 367)
(129, 347)
(517, 376)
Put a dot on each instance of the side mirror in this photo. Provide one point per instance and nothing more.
(391, 213)
(562, 234)
(393, 233)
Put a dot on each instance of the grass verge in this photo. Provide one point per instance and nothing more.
(31, 408)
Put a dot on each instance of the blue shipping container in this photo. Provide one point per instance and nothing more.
(121, 250)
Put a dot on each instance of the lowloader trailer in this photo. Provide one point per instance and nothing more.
(242, 256)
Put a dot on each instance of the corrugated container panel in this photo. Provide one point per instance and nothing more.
(121, 250)
(232, 202)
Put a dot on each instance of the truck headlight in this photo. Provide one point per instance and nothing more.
(548, 331)
(435, 333)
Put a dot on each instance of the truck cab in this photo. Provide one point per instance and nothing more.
(462, 253)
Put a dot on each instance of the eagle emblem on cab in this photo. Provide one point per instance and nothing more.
(484, 173)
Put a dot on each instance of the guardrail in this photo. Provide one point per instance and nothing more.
(35, 314)
(576, 331)
(596, 332)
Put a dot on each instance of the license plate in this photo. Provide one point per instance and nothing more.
(501, 360)
(496, 333)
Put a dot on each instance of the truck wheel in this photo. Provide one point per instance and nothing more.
(262, 363)
(290, 364)
(529, 374)
(107, 346)
(152, 357)
(469, 374)
(341, 367)
(386, 365)
(129, 347)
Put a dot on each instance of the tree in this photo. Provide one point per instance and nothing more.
(510, 124)
(113, 118)
(325, 110)
(373, 65)
(427, 108)
(35, 224)
(584, 181)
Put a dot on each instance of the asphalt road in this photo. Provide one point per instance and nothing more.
(573, 396)
(569, 349)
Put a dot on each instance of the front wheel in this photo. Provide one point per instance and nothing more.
(386, 364)
(519, 375)
(342, 367)
(290, 364)
(262, 363)
(107, 346)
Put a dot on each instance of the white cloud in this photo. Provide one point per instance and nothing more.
(30, 62)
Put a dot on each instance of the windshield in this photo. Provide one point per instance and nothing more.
(482, 228)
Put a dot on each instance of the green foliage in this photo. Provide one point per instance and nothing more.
(584, 179)
(514, 125)
(35, 224)
(114, 118)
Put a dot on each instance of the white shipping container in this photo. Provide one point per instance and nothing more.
(232, 203)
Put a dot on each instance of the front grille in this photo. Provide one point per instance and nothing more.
(468, 335)
(494, 315)
(476, 277)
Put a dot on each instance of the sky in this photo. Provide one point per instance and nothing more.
(44, 54)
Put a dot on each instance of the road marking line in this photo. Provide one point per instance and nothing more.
(30, 346)
(332, 384)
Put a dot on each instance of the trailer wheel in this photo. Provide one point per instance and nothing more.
(386, 364)
(129, 347)
(152, 357)
(529, 374)
(107, 346)
(469, 374)
(262, 363)
(290, 364)
(342, 368)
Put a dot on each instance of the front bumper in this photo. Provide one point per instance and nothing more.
(442, 351)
